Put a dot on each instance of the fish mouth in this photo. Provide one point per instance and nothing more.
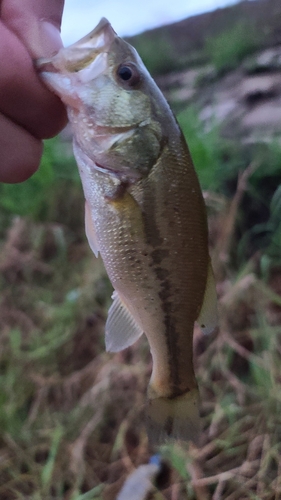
(80, 54)
(79, 63)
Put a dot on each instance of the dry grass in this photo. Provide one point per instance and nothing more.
(71, 415)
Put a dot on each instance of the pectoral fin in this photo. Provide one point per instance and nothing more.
(208, 317)
(90, 231)
(121, 330)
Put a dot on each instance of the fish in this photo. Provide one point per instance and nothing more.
(144, 214)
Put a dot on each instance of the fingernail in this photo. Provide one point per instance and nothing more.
(48, 40)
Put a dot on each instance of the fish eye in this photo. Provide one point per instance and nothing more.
(128, 73)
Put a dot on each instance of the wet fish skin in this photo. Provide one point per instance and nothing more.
(144, 213)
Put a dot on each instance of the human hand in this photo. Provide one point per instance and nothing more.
(29, 112)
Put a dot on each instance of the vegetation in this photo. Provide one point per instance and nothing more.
(217, 160)
(164, 58)
(223, 37)
(227, 49)
(70, 414)
(37, 196)
(160, 61)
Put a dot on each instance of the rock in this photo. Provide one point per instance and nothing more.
(264, 117)
(266, 61)
(260, 87)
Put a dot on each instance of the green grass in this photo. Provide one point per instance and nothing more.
(160, 61)
(71, 421)
(37, 198)
(227, 50)
(217, 161)
(165, 57)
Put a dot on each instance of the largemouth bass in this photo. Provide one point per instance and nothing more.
(144, 213)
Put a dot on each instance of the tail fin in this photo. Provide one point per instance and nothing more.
(176, 418)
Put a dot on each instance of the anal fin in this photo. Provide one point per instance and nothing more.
(121, 329)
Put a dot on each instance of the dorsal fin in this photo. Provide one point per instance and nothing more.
(121, 329)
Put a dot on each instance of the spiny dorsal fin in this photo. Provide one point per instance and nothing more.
(121, 329)
(90, 230)
(208, 317)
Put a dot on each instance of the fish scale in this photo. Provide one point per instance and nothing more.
(145, 214)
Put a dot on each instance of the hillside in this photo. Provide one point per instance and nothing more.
(187, 39)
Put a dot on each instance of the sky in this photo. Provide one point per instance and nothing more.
(129, 17)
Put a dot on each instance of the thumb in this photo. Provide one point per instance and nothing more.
(36, 23)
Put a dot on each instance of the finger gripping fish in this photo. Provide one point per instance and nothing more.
(144, 213)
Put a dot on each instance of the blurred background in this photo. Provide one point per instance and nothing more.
(79, 19)
(70, 414)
